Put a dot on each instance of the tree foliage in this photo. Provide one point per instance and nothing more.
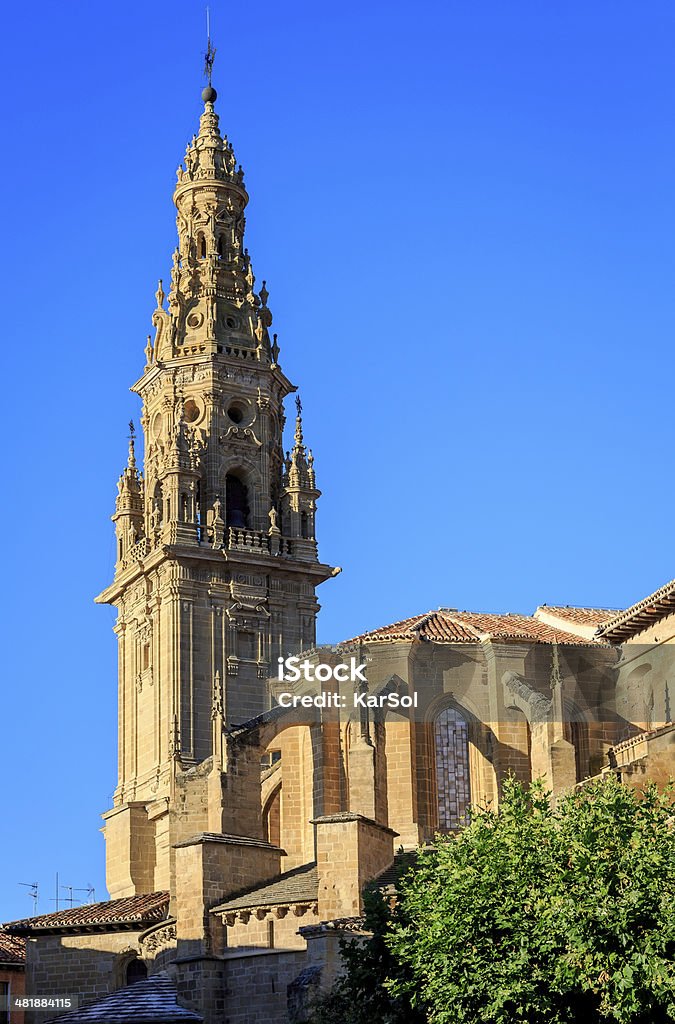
(362, 994)
(546, 915)
(536, 913)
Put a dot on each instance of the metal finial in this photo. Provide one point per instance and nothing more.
(298, 405)
(210, 54)
(132, 455)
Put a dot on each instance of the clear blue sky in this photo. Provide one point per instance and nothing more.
(465, 214)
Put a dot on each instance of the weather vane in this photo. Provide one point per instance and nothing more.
(132, 430)
(298, 405)
(210, 54)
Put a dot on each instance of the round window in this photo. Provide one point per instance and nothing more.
(236, 412)
(191, 411)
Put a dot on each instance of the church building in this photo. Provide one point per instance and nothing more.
(251, 809)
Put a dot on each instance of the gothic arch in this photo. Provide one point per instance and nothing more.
(271, 813)
(452, 767)
(576, 732)
(459, 752)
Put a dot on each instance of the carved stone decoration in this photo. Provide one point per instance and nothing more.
(161, 938)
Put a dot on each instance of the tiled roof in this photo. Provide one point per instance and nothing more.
(109, 916)
(151, 1001)
(301, 885)
(640, 616)
(12, 949)
(449, 626)
(582, 616)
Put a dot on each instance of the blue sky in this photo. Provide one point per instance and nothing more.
(465, 215)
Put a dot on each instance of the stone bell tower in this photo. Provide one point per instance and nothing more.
(217, 561)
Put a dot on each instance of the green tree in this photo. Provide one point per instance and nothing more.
(361, 995)
(542, 914)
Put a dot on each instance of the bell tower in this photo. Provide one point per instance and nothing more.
(217, 561)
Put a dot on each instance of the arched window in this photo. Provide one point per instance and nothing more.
(272, 818)
(304, 525)
(221, 245)
(136, 971)
(236, 501)
(201, 247)
(575, 731)
(451, 740)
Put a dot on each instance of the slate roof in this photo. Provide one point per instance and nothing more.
(449, 626)
(152, 1001)
(109, 916)
(12, 949)
(300, 885)
(402, 863)
(639, 616)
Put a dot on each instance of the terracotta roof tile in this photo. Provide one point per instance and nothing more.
(582, 616)
(641, 615)
(145, 1002)
(142, 910)
(447, 625)
(12, 949)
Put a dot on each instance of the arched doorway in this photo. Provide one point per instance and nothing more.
(136, 971)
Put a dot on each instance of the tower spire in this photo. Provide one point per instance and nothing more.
(217, 562)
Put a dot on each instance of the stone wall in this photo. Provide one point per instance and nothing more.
(88, 965)
(15, 979)
(257, 985)
(256, 931)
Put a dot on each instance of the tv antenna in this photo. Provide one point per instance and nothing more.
(210, 54)
(34, 887)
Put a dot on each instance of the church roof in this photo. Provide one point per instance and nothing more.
(112, 915)
(639, 616)
(12, 950)
(152, 1000)
(301, 885)
(581, 616)
(450, 626)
